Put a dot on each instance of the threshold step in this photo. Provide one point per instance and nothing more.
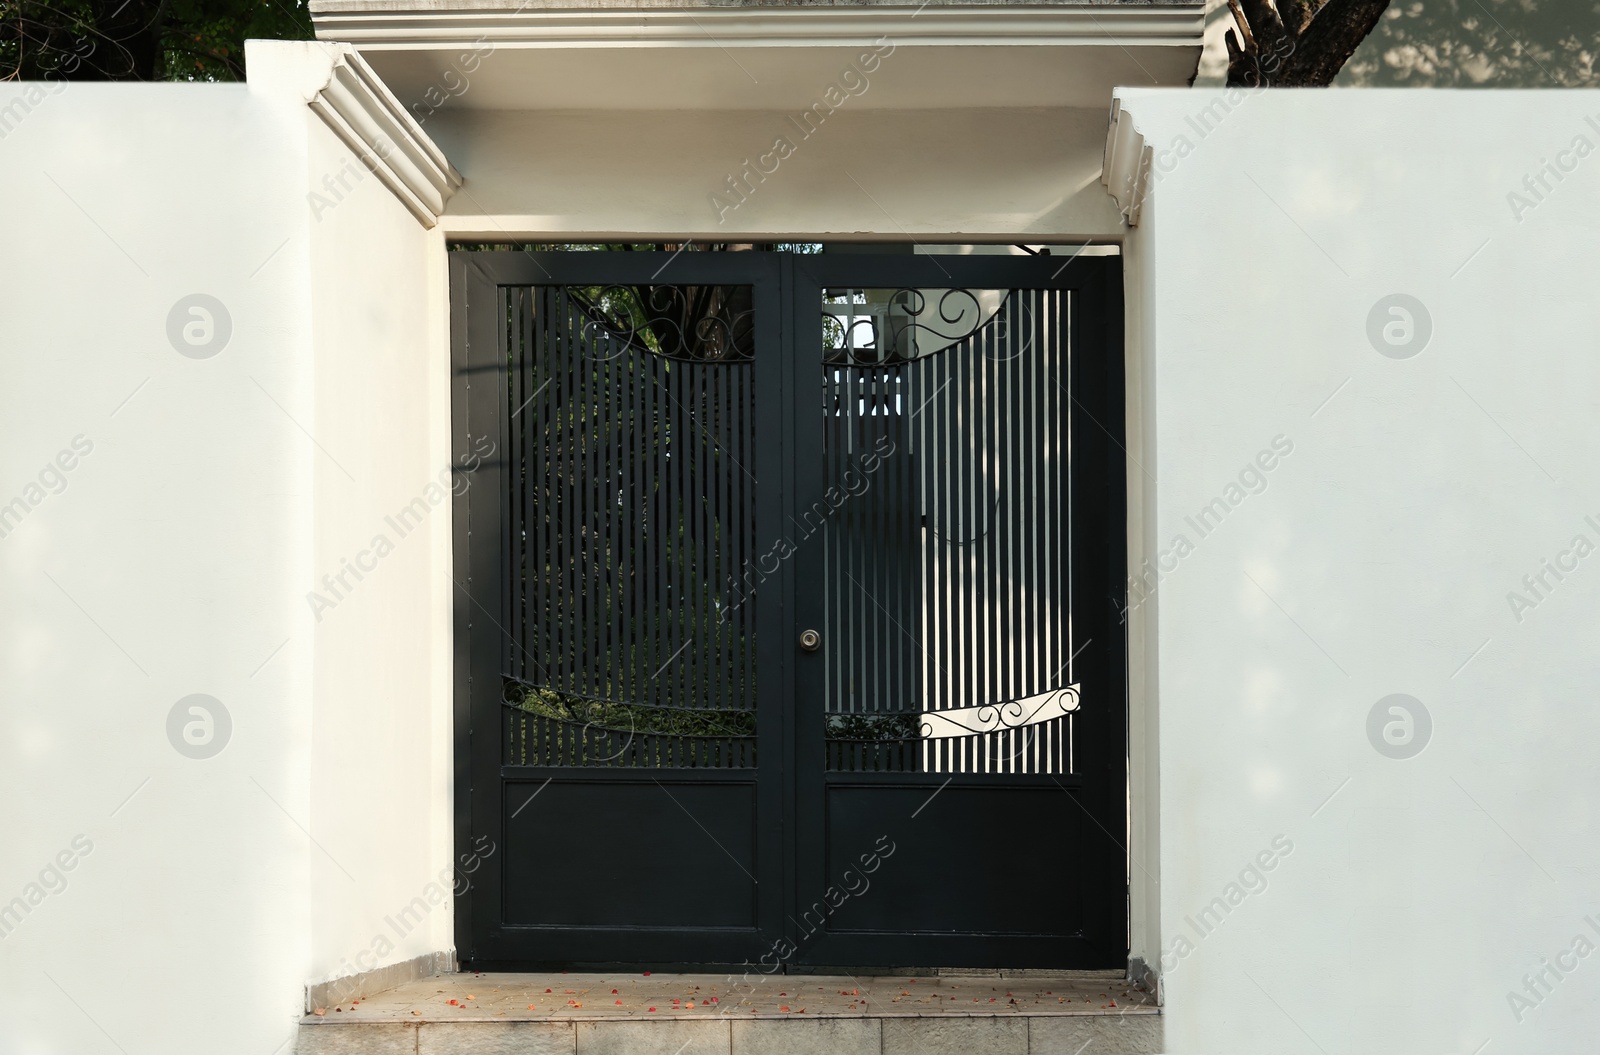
(632, 1013)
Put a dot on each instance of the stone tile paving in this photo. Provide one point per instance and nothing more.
(590, 996)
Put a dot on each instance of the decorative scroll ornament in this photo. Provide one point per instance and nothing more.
(991, 717)
(869, 327)
(695, 323)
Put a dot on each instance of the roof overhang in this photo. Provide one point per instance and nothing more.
(517, 55)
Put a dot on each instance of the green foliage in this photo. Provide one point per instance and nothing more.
(140, 40)
(627, 717)
(874, 727)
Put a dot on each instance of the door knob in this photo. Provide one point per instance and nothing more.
(810, 640)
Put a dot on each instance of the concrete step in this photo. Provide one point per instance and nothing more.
(680, 1014)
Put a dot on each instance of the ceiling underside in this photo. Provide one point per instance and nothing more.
(775, 79)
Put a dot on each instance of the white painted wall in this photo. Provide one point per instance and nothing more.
(381, 633)
(169, 565)
(1377, 560)
(194, 898)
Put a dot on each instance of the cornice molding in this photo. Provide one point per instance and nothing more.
(1126, 168)
(392, 26)
(362, 112)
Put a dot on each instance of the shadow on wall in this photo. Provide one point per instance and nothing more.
(1455, 44)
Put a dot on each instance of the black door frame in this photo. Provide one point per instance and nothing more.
(788, 372)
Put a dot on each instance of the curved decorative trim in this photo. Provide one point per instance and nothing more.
(370, 120)
(909, 323)
(992, 717)
(394, 25)
(689, 324)
(1126, 172)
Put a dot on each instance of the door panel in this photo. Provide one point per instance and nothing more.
(628, 839)
(625, 719)
(966, 707)
(940, 879)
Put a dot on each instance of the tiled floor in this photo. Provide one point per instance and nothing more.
(627, 1013)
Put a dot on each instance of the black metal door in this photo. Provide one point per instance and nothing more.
(960, 726)
(787, 621)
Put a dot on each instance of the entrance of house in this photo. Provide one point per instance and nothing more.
(789, 609)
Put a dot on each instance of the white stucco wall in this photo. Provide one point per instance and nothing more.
(181, 904)
(167, 566)
(380, 620)
(1377, 559)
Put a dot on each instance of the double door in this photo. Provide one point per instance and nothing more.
(788, 610)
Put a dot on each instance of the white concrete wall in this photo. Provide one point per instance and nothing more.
(176, 507)
(380, 621)
(169, 565)
(1144, 698)
(1376, 559)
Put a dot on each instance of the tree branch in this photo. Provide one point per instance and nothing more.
(1327, 43)
(1297, 14)
(1304, 48)
(1247, 39)
(1264, 23)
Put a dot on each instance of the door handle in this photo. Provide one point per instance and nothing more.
(810, 640)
